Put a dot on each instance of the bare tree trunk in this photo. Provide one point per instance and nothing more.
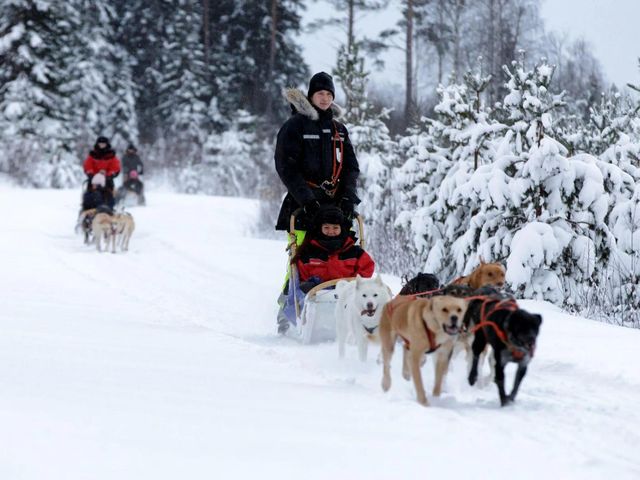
(351, 21)
(409, 98)
(457, 14)
(272, 55)
(206, 30)
(492, 52)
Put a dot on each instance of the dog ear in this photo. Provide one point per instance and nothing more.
(482, 262)
(379, 280)
(538, 319)
(358, 280)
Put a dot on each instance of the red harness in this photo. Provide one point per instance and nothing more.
(433, 346)
(490, 306)
(331, 186)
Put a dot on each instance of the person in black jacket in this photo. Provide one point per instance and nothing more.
(314, 157)
(131, 161)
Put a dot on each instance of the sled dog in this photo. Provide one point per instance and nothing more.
(85, 220)
(484, 274)
(426, 325)
(421, 283)
(103, 228)
(510, 331)
(358, 310)
(124, 227)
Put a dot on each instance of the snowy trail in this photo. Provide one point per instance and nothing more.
(162, 363)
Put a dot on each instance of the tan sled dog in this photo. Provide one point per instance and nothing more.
(484, 274)
(103, 228)
(124, 227)
(426, 325)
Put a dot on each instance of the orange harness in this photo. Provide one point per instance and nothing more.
(330, 187)
(509, 305)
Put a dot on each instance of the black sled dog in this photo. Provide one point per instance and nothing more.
(509, 330)
(421, 283)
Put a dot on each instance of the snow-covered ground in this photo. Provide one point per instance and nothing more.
(162, 363)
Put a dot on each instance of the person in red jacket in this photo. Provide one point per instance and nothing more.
(102, 159)
(329, 251)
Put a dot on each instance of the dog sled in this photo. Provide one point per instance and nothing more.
(311, 315)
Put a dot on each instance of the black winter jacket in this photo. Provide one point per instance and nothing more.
(131, 161)
(304, 153)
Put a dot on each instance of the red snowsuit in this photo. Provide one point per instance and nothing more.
(107, 162)
(347, 261)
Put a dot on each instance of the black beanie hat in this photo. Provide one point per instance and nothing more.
(102, 140)
(328, 214)
(321, 81)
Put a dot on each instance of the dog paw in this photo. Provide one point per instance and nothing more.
(472, 378)
(506, 401)
(422, 400)
(386, 383)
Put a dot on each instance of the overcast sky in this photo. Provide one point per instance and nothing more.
(610, 26)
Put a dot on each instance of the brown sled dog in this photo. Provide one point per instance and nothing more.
(426, 326)
(484, 274)
(84, 222)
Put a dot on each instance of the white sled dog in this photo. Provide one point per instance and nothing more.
(358, 310)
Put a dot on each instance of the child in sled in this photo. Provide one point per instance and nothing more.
(329, 251)
(132, 184)
(96, 195)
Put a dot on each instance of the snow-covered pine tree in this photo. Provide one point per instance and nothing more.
(377, 156)
(36, 50)
(231, 154)
(140, 31)
(440, 158)
(624, 272)
(102, 88)
(241, 55)
(541, 211)
(185, 91)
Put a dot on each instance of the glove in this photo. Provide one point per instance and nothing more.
(311, 208)
(347, 207)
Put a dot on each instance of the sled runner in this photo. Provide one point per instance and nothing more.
(312, 314)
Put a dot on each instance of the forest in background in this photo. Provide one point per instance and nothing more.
(502, 127)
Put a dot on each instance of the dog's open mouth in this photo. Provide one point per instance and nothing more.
(368, 312)
(451, 330)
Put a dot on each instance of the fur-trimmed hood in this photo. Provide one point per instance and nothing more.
(302, 105)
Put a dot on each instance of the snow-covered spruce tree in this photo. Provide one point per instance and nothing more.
(140, 31)
(185, 92)
(36, 50)
(541, 211)
(377, 156)
(229, 166)
(624, 272)
(102, 87)
(241, 54)
(440, 158)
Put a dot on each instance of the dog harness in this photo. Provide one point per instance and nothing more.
(330, 187)
(402, 299)
(509, 305)
(370, 330)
